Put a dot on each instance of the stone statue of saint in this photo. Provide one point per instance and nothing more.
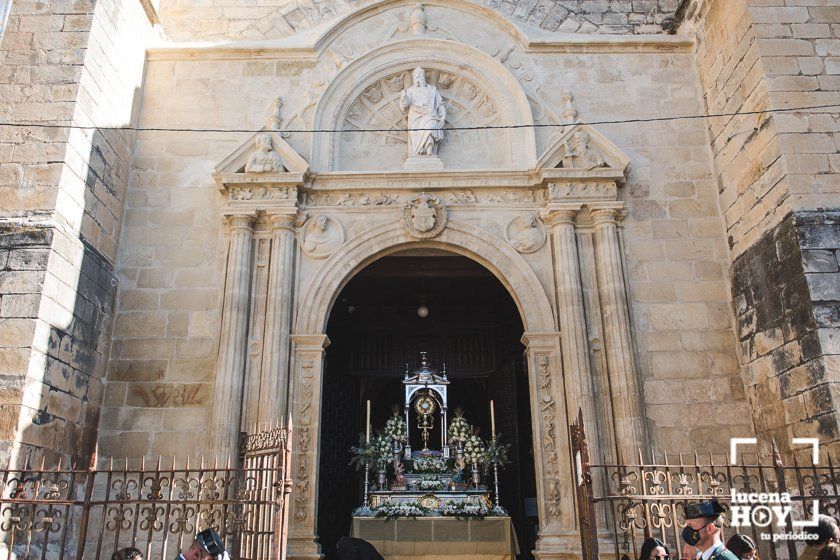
(581, 155)
(426, 116)
(264, 159)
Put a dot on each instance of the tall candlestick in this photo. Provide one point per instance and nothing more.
(492, 420)
(367, 423)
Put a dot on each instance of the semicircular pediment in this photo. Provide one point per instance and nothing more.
(477, 93)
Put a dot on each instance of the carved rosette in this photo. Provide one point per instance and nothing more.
(424, 217)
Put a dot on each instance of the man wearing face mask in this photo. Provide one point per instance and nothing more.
(703, 530)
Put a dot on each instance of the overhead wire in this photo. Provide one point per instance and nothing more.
(452, 128)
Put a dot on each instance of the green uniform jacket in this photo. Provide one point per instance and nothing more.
(723, 554)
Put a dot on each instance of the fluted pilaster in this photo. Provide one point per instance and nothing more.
(275, 369)
(570, 313)
(230, 366)
(618, 341)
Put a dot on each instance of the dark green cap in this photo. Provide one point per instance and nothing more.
(710, 508)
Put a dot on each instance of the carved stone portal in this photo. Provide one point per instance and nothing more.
(525, 233)
(424, 216)
(321, 236)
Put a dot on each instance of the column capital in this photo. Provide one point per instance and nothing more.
(546, 341)
(310, 342)
(240, 222)
(281, 220)
(606, 216)
(560, 215)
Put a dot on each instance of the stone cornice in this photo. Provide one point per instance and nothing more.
(408, 180)
(566, 43)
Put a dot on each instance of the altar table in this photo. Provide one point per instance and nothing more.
(429, 538)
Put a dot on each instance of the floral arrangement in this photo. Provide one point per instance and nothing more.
(430, 483)
(474, 449)
(374, 455)
(363, 454)
(383, 453)
(363, 511)
(396, 429)
(459, 428)
(391, 510)
(465, 509)
(429, 465)
(496, 454)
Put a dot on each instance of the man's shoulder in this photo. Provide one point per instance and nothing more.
(724, 554)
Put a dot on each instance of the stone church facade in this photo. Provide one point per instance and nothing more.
(169, 262)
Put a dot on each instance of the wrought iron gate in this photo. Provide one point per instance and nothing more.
(71, 513)
(646, 498)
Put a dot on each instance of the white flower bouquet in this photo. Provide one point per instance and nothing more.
(474, 450)
(396, 429)
(465, 509)
(391, 510)
(429, 465)
(430, 483)
(459, 429)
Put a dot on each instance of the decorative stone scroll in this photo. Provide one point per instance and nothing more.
(262, 193)
(454, 197)
(321, 236)
(582, 191)
(424, 216)
(548, 415)
(525, 233)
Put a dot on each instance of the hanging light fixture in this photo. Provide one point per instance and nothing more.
(423, 309)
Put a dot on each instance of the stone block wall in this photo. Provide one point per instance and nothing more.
(777, 187)
(62, 191)
(186, 20)
(787, 296)
(171, 257)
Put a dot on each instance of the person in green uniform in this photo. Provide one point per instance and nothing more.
(703, 529)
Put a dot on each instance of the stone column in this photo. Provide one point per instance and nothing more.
(600, 375)
(618, 344)
(305, 409)
(278, 323)
(558, 538)
(227, 391)
(570, 315)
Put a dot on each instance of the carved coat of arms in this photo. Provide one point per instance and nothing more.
(424, 216)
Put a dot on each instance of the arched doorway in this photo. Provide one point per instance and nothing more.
(320, 289)
(375, 330)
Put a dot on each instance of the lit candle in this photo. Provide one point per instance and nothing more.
(492, 420)
(367, 424)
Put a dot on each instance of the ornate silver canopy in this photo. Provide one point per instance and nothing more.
(425, 381)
